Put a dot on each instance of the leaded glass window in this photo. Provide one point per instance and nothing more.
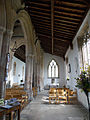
(53, 69)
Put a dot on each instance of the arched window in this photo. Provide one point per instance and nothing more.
(14, 68)
(53, 69)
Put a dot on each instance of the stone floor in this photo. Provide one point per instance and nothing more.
(40, 110)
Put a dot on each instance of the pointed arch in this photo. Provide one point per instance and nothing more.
(53, 69)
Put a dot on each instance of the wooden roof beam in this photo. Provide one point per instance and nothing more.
(56, 38)
(67, 18)
(69, 9)
(42, 29)
(69, 14)
(56, 30)
(41, 21)
(70, 22)
(66, 30)
(39, 4)
(42, 25)
(38, 8)
(47, 24)
(64, 37)
(65, 24)
(38, 25)
(74, 4)
(44, 17)
(60, 19)
(39, 12)
(62, 34)
(67, 33)
(52, 22)
(47, 21)
(64, 27)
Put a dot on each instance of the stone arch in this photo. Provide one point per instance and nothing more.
(27, 27)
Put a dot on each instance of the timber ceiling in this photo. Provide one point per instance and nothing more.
(56, 22)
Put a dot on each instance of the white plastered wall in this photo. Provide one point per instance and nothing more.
(72, 54)
(19, 72)
(60, 62)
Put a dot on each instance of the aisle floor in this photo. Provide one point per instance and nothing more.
(39, 110)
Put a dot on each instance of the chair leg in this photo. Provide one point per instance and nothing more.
(56, 100)
(49, 100)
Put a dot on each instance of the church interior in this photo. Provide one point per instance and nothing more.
(44, 59)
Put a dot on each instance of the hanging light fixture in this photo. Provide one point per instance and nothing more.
(14, 47)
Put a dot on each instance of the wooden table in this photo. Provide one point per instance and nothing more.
(15, 107)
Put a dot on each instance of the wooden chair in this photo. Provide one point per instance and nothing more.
(52, 95)
(72, 97)
(61, 95)
(34, 89)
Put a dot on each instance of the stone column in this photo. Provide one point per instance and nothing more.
(38, 76)
(89, 21)
(33, 82)
(35, 74)
(29, 75)
(2, 30)
(41, 73)
(3, 60)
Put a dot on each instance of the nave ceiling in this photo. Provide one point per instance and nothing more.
(56, 22)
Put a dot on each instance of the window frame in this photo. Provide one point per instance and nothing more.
(48, 70)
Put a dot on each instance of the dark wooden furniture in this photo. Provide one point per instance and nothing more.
(4, 111)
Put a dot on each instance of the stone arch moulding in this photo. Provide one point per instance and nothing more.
(27, 28)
